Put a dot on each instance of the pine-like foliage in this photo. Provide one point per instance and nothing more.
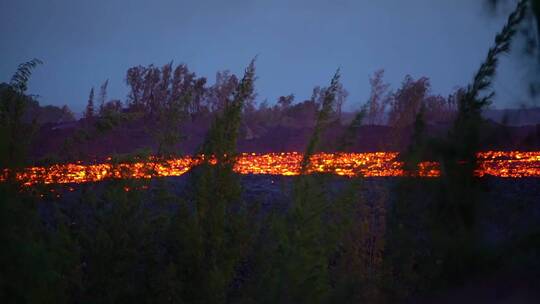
(222, 136)
(464, 135)
(103, 97)
(29, 272)
(294, 253)
(322, 119)
(19, 81)
(459, 152)
(14, 133)
(217, 226)
(450, 250)
(454, 216)
(90, 111)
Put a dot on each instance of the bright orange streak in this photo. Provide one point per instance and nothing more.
(513, 164)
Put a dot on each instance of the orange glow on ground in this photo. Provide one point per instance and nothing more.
(512, 164)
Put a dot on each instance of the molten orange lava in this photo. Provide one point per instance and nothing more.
(512, 164)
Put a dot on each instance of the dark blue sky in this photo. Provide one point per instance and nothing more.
(299, 43)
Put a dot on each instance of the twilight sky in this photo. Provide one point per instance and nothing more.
(299, 43)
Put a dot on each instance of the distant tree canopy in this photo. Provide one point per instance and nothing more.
(171, 94)
(414, 95)
(41, 114)
(153, 88)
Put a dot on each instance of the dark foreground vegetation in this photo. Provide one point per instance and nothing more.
(207, 239)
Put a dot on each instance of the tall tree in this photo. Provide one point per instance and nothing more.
(220, 93)
(379, 99)
(218, 223)
(103, 96)
(464, 133)
(292, 263)
(340, 97)
(89, 112)
(13, 130)
(28, 274)
(134, 79)
(454, 216)
(407, 101)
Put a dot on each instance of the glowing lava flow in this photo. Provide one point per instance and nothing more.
(512, 164)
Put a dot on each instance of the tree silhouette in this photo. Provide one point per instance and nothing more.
(89, 112)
